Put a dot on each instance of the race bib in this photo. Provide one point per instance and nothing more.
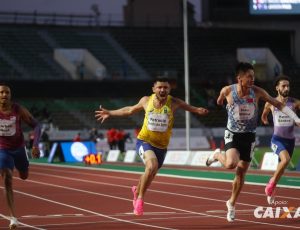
(158, 122)
(281, 119)
(8, 127)
(244, 112)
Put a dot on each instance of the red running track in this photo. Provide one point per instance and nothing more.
(72, 198)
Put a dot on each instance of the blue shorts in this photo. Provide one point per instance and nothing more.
(142, 147)
(279, 144)
(14, 158)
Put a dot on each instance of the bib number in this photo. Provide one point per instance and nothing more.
(8, 127)
(158, 122)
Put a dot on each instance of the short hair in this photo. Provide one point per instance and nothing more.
(281, 78)
(4, 84)
(162, 79)
(243, 67)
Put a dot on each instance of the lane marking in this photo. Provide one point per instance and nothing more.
(21, 223)
(82, 209)
(153, 204)
(163, 175)
(180, 185)
(152, 190)
(149, 213)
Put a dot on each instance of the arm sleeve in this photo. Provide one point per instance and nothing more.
(290, 113)
(37, 131)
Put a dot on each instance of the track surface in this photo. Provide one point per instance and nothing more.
(85, 198)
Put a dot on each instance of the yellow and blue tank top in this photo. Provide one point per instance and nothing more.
(158, 124)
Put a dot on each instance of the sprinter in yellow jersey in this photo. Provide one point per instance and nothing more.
(154, 137)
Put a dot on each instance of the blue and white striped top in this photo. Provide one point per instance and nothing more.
(242, 113)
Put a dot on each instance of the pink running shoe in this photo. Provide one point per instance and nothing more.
(139, 207)
(133, 189)
(269, 190)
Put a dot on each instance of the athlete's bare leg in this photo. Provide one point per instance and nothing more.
(151, 168)
(7, 176)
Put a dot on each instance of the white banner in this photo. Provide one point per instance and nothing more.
(113, 155)
(177, 157)
(270, 161)
(200, 158)
(130, 156)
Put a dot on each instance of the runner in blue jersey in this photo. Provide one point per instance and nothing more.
(283, 139)
(242, 109)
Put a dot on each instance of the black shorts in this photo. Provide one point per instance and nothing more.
(243, 142)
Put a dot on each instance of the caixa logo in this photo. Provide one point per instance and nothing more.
(277, 212)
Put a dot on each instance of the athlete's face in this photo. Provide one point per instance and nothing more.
(5, 95)
(161, 90)
(246, 79)
(283, 88)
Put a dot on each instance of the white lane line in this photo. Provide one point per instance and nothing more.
(156, 205)
(237, 211)
(152, 190)
(82, 209)
(179, 185)
(21, 223)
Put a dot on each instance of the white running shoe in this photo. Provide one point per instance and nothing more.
(211, 158)
(13, 223)
(230, 212)
(270, 199)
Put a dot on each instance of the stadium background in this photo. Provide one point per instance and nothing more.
(142, 42)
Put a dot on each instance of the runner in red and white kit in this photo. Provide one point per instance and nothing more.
(12, 145)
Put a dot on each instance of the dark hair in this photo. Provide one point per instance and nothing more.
(281, 78)
(243, 67)
(162, 79)
(4, 84)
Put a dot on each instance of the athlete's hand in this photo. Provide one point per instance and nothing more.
(297, 121)
(101, 114)
(35, 152)
(202, 111)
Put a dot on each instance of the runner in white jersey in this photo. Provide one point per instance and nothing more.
(283, 139)
(242, 106)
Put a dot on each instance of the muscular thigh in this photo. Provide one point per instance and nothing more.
(147, 151)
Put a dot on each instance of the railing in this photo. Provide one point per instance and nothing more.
(61, 19)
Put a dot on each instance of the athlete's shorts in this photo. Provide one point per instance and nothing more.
(243, 142)
(279, 144)
(142, 147)
(14, 158)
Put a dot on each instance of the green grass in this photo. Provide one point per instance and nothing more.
(259, 153)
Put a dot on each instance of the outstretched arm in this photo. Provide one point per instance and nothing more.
(102, 114)
(265, 113)
(32, 122)
(285, 109)
(178, 103)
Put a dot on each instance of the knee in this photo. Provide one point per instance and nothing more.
(285, 162)
(7, 180)
(23, 175)
(230, 165)
(152, 169)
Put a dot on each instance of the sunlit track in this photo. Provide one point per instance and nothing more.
(162, 183)
(127, 187)
(85, 210)
(95, 200)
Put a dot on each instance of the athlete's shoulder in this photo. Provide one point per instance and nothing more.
(227, 89)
